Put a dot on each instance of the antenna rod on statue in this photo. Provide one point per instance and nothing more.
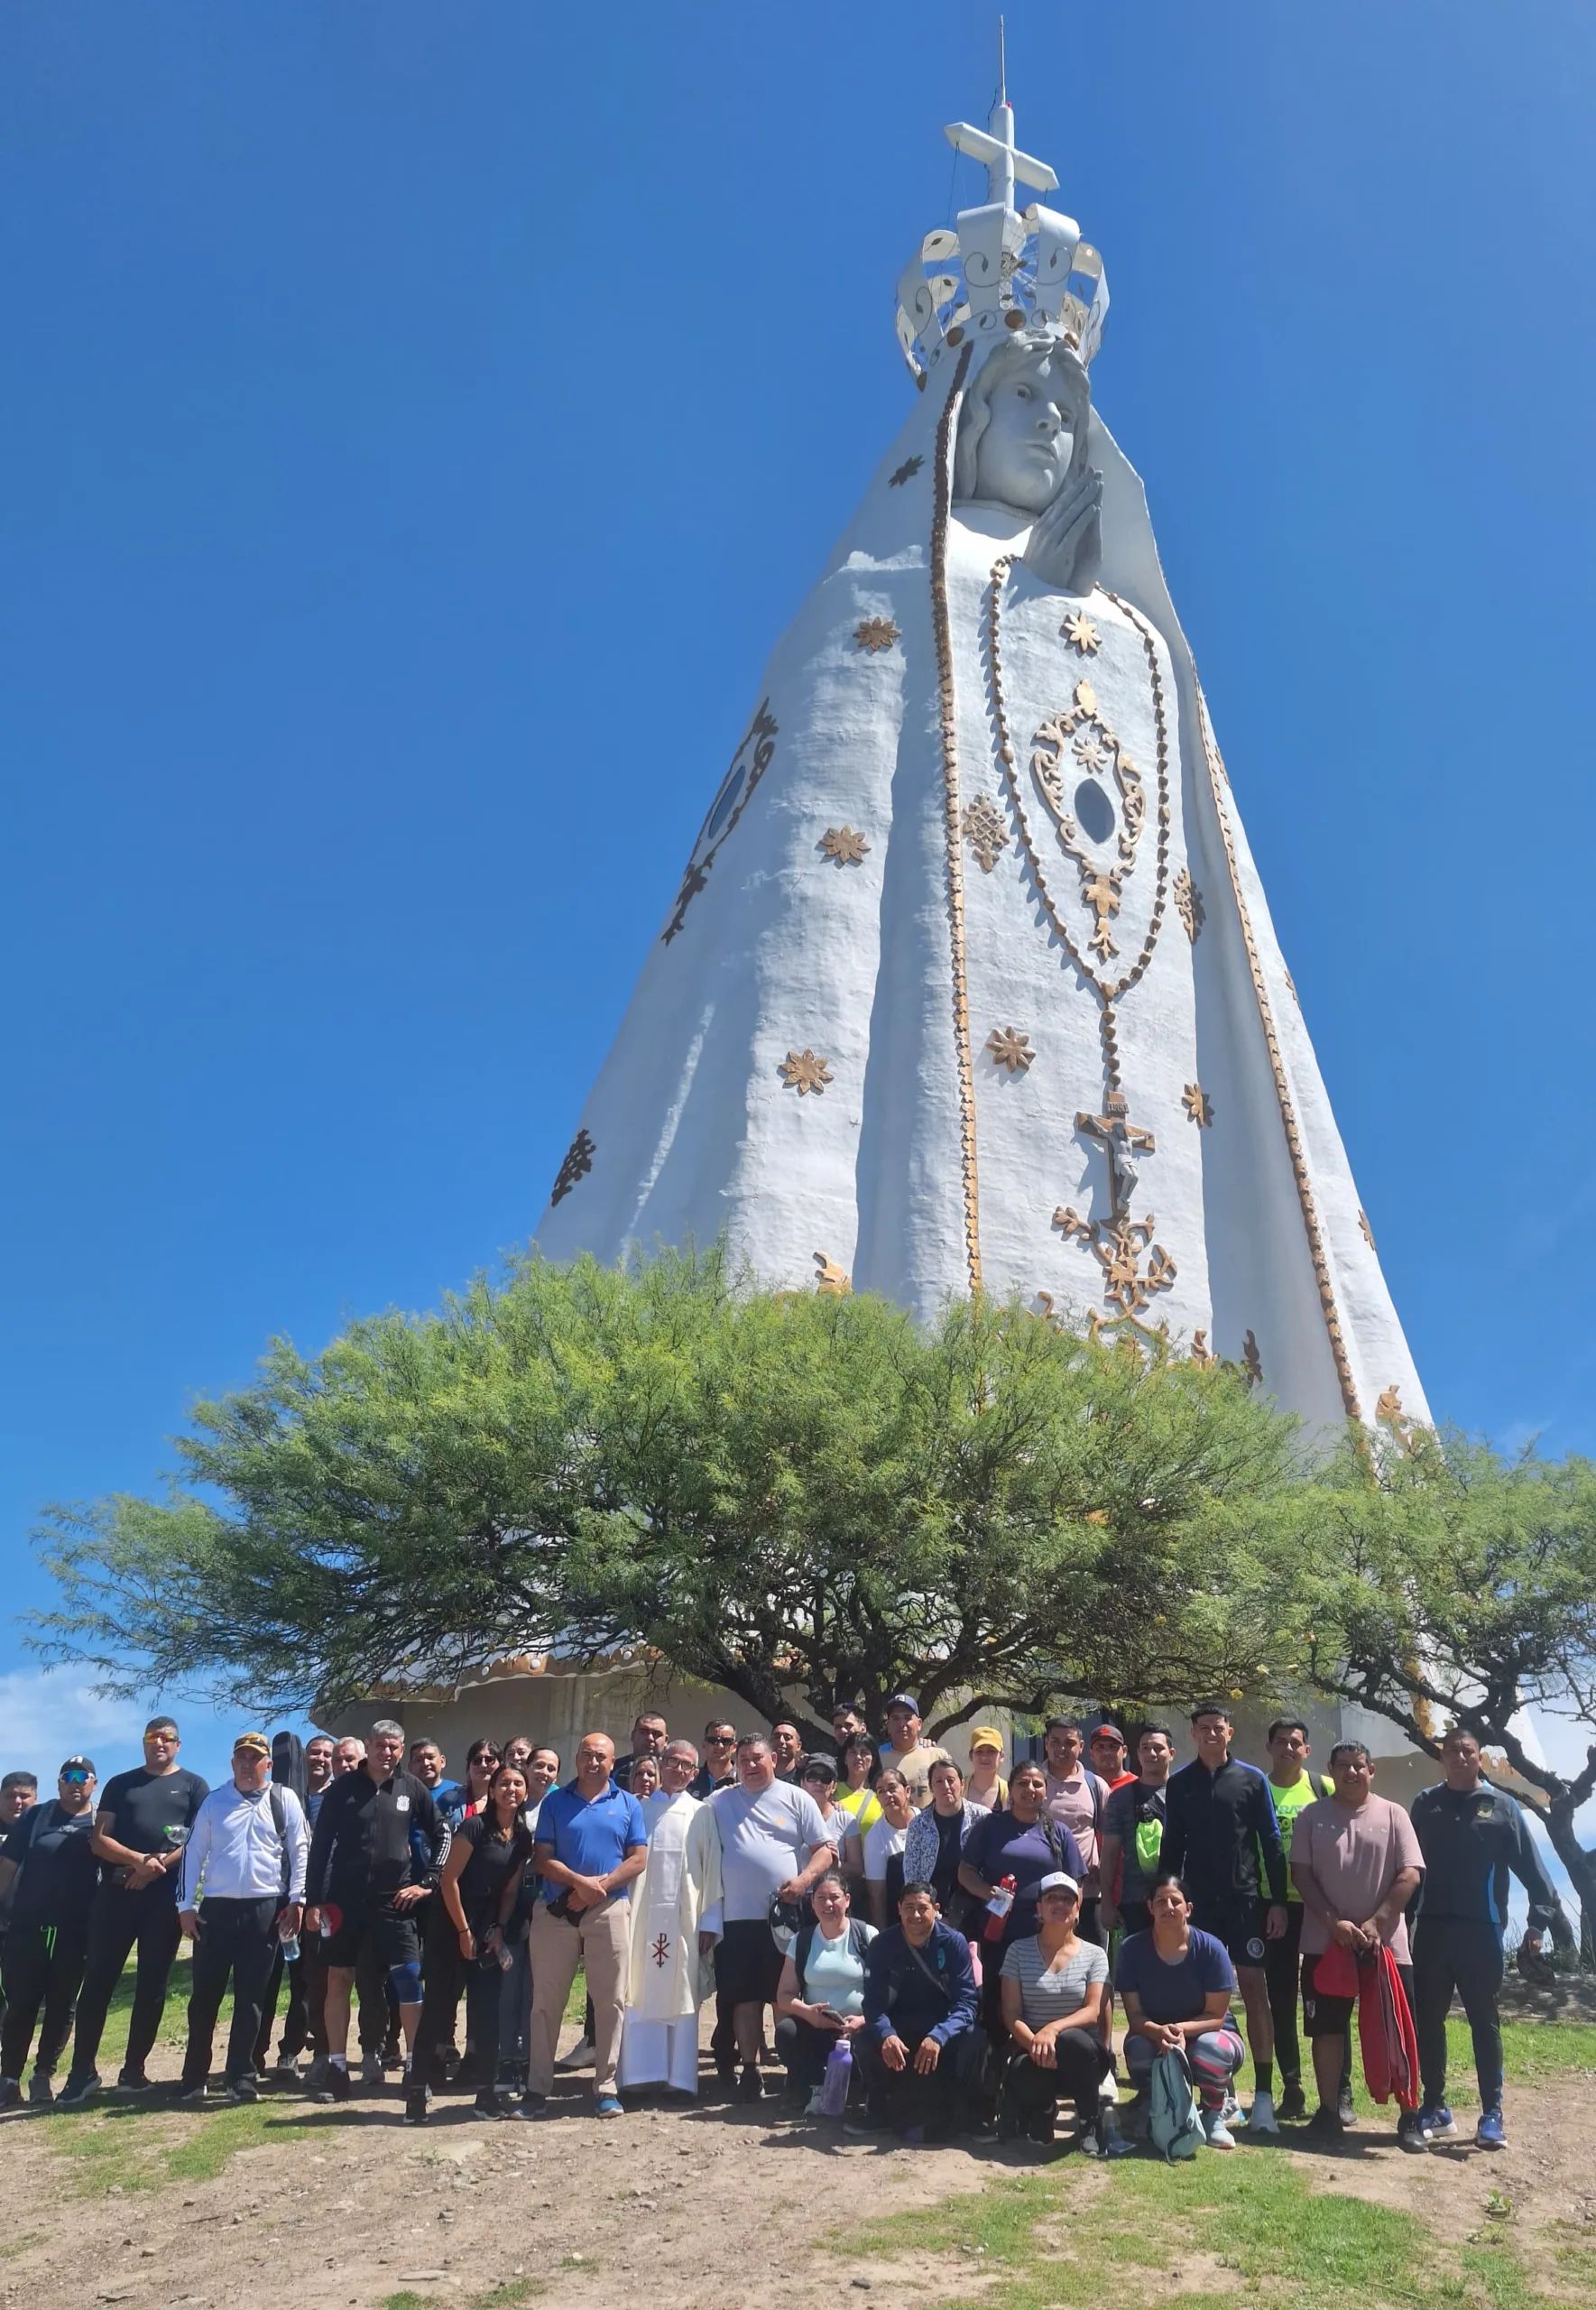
(1003, 70)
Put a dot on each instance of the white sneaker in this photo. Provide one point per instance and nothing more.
(1261, 2118)
(815, 2105)
(1108, 2090)
(1232, 2108)
(1215, 2132)
(579, 2057)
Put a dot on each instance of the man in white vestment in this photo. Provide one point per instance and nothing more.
(675, 1922)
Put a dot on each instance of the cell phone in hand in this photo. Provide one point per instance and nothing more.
(830, 2016)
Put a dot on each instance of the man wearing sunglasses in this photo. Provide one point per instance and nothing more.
(719, 1769)
(48, 1939)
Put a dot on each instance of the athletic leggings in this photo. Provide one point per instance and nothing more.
(1213, 2059)
(1464, 1954)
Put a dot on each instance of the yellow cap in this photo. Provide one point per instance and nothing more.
(985, 1736)
(255, 1743)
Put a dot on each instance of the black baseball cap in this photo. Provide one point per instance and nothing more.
(79, 1764)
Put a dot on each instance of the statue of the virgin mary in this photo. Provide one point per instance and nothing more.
(970, 983)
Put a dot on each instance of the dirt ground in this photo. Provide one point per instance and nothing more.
(719, 2206)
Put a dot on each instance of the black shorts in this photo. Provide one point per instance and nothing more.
(1237, 1921)
(747, 1964)
(1331, 2016)
(394, 1934)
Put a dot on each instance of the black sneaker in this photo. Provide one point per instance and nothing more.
(415, 2105)
(340, 2085)
(242, 2089)
(1326, 2124)
(191, 2097)
(751, 2085)
(11, 2092)
(489, 2105)
(133, 2081)
(1346, 2116)
(1410, 2133)
(1293, 2104)
(531, 2105)
(77, 2090)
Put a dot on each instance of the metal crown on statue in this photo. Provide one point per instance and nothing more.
(1018, 269)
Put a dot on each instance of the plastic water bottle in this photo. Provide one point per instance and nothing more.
(290, 1947)
(998, 1908)
(839, 2076)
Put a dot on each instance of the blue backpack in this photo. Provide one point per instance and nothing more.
(1174, 2128)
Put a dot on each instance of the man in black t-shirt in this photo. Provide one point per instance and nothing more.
(140, 1830)
(361, 1891)
(44, 1947)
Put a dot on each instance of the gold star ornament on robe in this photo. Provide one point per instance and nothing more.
(875, 632)
(1010, 1048)
(843, 844)
(802, 1072)
(1079, 630)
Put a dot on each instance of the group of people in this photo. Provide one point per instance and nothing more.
(940, 1952)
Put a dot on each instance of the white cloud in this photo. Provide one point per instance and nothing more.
(48, 1714)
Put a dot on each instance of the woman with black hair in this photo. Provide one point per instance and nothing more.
(482, 1759)
(465, 1933)
(1176, 1982)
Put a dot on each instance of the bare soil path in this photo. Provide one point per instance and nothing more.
(728, 2206)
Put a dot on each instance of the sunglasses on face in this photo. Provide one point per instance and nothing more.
(75, 1780)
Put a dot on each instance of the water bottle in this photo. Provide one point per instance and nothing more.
(290, 1947)
(839, 2076)
(998, 1908)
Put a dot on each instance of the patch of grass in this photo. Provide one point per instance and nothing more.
(126, 2148)
(497, 2298)
(1532, 2052)
(1297, 2247)
(11, 2246)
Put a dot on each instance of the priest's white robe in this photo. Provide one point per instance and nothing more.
(677, 1897)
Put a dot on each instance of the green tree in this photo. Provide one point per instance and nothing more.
(779, 1493)
(1442, 1584)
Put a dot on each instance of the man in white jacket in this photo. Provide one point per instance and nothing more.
(243, 1885)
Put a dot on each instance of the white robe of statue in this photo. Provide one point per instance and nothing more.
(677, 1899)
(970, 981)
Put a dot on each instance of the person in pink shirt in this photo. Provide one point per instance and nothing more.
(1076, 1799)
(1356, 1860)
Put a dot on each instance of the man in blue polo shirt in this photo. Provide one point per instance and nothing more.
(591, 1843)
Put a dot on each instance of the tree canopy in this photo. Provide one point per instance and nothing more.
(779, 1493)
(1445, 1585)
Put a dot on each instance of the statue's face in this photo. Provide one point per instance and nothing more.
(1024, 453)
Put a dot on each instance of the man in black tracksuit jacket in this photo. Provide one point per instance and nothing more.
(1219, 1819)
(362, 1867)
(1473, 1837)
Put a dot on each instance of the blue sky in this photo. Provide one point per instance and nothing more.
(416, 425)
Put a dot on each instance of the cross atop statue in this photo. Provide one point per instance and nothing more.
(1003, 163)
(1121, 1142)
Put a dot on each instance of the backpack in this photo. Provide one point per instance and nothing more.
(859, 1941)
(1173, 2126)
